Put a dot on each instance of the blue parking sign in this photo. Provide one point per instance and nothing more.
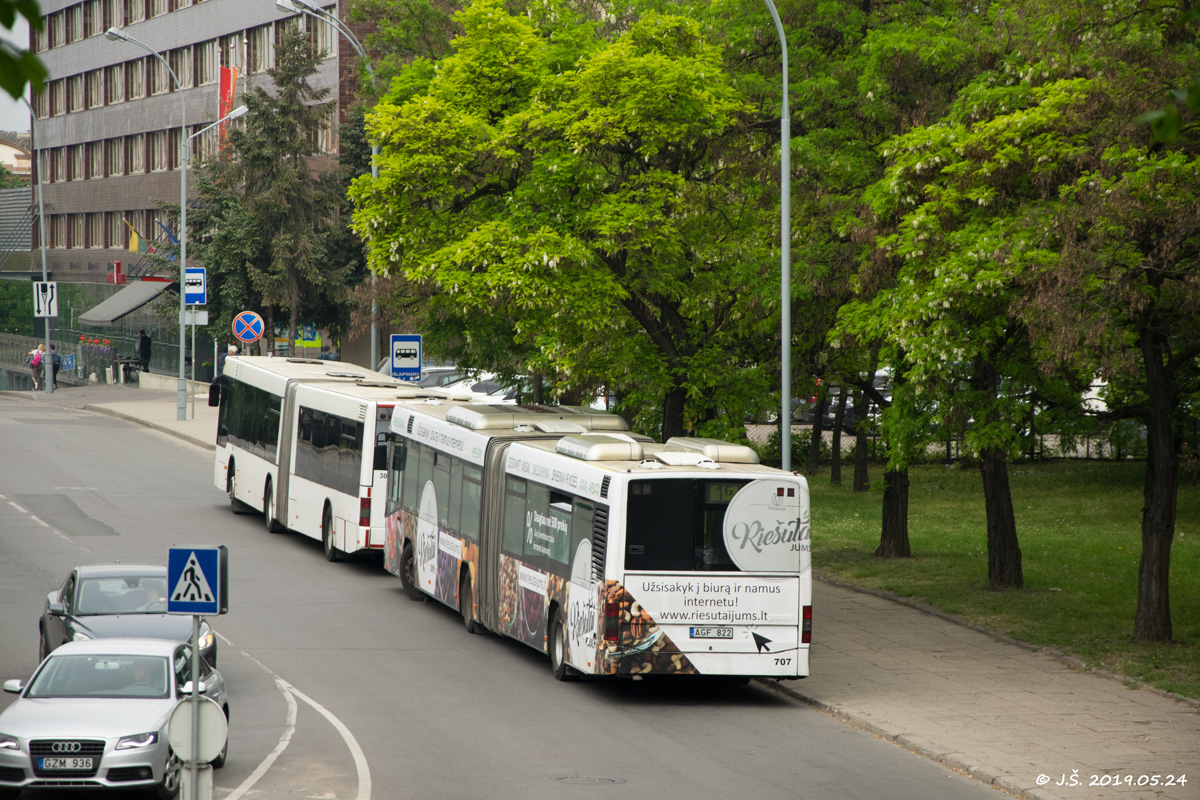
(197, 580)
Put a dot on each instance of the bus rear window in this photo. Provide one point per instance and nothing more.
(675, 525)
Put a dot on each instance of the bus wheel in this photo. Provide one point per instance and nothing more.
(466, 603)
(558, 650)
(331, 552)
(408, 573)
(235, 505)
(273, 526)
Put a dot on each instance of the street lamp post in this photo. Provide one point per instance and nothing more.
(313, 10)
(187, 154)
(785, 266)
(47, 366)
(118, 35)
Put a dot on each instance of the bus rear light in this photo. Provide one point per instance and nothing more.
(612, 622)
(364, 510)
(806, 630)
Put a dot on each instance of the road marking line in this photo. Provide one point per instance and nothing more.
(290, 693)
(17, 507)
(284, 741)
(39, 522)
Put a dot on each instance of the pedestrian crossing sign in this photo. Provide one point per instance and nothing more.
(197, 578)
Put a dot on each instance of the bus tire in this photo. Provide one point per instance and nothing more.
(331, 552)
(558, 649)
(408, 573)
(235, 505)
(466, 603)
(273, 525)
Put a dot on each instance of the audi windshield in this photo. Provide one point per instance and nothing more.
(102, 676)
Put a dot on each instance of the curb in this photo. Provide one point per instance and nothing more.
(1058, 655)
(161, 428)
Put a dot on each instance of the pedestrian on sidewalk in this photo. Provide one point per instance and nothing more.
(37, 363)
(143, 350)
(233, 351)
(55, 365)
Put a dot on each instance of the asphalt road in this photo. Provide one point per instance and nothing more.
(341, 687)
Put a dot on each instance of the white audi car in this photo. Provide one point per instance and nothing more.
(95, 714)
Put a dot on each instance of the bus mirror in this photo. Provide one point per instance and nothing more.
(214, 392)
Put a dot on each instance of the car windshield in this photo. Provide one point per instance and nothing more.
(101, 676)
(123, 595)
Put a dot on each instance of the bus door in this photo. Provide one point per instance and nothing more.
(287, 450)
(488, 598)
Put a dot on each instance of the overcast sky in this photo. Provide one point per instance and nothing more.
(14, 116)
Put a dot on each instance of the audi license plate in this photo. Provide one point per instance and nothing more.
(64, 763)
(712, 633)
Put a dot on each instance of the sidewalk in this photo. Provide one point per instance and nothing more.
(1022, 720)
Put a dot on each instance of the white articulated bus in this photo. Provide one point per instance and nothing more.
(613, 554)
(303, 442)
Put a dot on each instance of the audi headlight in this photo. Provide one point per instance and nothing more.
(206, 639)
(137, 740)
(79, 636)
(9, 742)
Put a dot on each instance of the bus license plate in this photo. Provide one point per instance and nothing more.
(712, 633)
(64, 763)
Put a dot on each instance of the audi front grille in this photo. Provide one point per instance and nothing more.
(66, 748)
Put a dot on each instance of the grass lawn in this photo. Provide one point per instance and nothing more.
(1079, 527)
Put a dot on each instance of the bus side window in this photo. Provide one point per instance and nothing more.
(514, 516)
(471, 501)
(559, 524)
(441, 487)
(410, 487)
(396, 473)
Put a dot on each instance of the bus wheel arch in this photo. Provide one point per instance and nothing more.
(556, 645)
(408, 572)
(273, 525)
(466, 599)
(332, 553)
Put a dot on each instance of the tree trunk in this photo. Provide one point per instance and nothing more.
(1004, 554)
(672, 420)
(893, 537)
(266, 343)
(814, 444)
(835, 455)
(1152, 622)
(862, 478)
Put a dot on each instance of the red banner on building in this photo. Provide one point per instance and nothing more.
(228, 87)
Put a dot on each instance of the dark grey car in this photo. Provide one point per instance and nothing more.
(104, 601)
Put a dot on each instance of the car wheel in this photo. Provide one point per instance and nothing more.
(168, 788)
(331, 552)
(466, 603)
(558, 650)
(273, 525)
(219, 761)
(408, 574)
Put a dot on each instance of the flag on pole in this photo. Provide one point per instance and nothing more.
(171, 237)
(225, 93)
(137, 244)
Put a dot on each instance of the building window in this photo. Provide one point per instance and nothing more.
(41, 103)
(325, 140)
(114, 159)
(75, 93)
(206, 62)
(75, 162)
(173, 149)
(93, 18)
(158, 8)
(114, 14)
(58, 97)
(94, 154)
(95, 230)
(41, 39)
(57, 159)
(260, 50)
(114, 84)
(135, 78)
(135, 11)
(181, 63)
(135, 154)
(58, 230)
(158, 77)
(75, 231)
(54, 30)
(178, 4)
(73, 18)
(156, 151)
(115, 232)
(321, 34)
(95, 88)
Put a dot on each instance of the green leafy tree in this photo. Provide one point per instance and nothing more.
(20, 68)
(267, 223)
(586, 206)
